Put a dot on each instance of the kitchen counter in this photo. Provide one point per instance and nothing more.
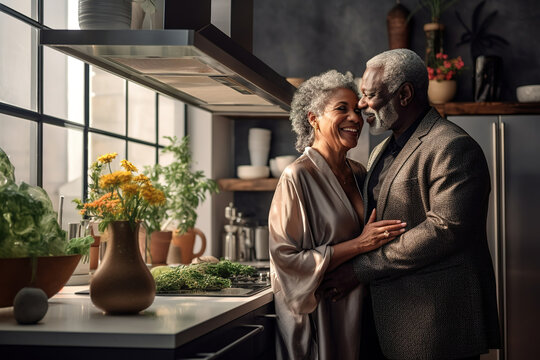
(73, 321)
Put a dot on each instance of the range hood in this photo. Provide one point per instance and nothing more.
(202, 67)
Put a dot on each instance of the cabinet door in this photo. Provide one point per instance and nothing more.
(485, 130)
(522, 251)
(250, 337)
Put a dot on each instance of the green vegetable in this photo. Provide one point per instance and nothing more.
(28, 222)
(227, 269)
(80, 245)
(188, 278)
(202, 276)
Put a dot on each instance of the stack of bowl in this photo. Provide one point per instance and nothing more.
(259, 148)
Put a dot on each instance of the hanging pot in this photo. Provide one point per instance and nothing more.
(122, 283)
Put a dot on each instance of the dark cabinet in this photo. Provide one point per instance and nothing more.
(250, 337)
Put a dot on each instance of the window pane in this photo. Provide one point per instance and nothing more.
(18, 42)
(107, 101)
(100, 145)
(171, 118)
(63, 169)
(63, 86)
(141, 155)
(25, 7)
(61, 14)
(141, 113)
(18, 139)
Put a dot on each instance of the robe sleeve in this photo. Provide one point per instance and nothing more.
(298, 263)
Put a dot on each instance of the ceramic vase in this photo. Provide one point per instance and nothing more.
(434, 41)
(122, 283)
(440, 92)
(398, 27)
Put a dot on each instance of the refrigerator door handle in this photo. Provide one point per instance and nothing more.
(502, 235)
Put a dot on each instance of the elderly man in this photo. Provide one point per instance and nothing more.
(432, 290)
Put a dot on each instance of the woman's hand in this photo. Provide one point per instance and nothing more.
(374, 235)
(378, 233)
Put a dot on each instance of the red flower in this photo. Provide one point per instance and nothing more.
(444, 68)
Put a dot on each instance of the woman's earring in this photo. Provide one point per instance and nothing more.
(316, 126)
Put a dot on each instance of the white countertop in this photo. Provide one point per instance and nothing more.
(72, 320)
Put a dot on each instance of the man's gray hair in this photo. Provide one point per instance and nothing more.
(400, 66)
(312, 96)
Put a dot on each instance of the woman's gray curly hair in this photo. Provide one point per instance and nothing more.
(312, 96)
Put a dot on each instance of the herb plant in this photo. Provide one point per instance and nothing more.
(184, 189)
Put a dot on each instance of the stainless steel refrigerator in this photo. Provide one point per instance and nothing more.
(511, 144)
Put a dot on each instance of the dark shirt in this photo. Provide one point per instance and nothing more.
(384, 163)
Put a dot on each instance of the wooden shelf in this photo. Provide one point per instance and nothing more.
(487, 108)
(267, 184)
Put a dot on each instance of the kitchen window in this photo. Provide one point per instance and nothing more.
(58, 114)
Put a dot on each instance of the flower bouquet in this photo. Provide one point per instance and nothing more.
(121, 195)
(444, 68)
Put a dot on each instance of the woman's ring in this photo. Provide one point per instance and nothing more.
(386, 234)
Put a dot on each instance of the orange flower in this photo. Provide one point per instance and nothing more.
(128, 166)
(105, 159)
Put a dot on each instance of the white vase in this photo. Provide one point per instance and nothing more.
(104, 14)
(440, 92)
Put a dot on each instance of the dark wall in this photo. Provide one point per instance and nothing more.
(300, 38)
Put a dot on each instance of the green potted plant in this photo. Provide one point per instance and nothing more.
(433, 29)
(34, 250)
(184, 190)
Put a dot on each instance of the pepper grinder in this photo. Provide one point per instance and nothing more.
(230, 233)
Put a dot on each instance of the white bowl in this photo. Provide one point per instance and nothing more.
(528, 93)
(274, 169)
(252, 172)
(283, 161)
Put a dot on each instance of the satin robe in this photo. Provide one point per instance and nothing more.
(310, 212)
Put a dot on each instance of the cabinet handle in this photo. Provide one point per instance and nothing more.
(209, 356)
(269, 316)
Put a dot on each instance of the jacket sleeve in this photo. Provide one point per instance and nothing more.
(453, 209)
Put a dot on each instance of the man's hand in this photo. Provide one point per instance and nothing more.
(338, 283)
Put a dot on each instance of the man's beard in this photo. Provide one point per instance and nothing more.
(384, 118)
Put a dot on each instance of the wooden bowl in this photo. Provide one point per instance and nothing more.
(51, 275)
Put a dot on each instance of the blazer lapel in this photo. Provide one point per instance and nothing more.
(372, 161)
(410, 147)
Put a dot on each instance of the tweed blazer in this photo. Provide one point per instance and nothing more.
(433, 288)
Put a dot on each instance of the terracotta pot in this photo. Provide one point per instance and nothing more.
(181, 250)
(159, 246)
(440, 92)
(122, 283)
(52, 273)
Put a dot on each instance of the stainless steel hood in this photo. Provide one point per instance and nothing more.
(201, 67)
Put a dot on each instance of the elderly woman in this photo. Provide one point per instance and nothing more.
(316, 223)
